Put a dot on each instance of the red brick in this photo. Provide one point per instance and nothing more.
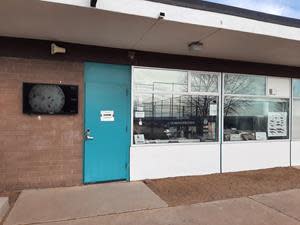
(38, 152)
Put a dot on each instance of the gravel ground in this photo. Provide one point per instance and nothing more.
(196, 189)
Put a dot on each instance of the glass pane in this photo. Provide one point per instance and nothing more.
(160, 80)
(296, 88)
(161, 118)
(204, 81)
(255, 119)
(244, 84)
(296, 119)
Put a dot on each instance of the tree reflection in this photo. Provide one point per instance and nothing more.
(238, 84)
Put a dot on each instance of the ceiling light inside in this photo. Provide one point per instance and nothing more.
(195, 46)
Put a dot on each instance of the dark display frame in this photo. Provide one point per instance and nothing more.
(71, 99)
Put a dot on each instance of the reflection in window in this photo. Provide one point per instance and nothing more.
(245, 84)
(160, 80)
(204, 81)
(296, 110)
(175, 118)
(255, 119)
(296, 87)
(167, 110)
(296, 119)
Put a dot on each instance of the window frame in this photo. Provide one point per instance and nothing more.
(266, 96)
(188, 93)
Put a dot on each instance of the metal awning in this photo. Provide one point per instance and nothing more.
(136, 26)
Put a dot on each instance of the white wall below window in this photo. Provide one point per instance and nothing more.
(83, 3)
(251, 156)
(150, 162)
(295, 153)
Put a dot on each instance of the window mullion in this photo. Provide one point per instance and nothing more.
(189, 82)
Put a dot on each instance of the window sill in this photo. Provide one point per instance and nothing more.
(173, 144)
(252, 142)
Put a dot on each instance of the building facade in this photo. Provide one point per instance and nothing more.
(164, 89)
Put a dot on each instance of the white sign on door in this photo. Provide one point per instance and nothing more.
(107, 116)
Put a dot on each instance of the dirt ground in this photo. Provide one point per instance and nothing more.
(196, 189)
(12, 197)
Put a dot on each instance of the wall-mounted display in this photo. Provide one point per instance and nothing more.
(50, 99)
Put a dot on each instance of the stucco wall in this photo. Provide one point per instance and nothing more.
(43, 151)
(151, 162)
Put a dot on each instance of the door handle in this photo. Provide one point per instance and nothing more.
(87, 135)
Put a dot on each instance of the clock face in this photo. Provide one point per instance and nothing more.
(46, 98)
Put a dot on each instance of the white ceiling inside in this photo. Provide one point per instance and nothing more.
(59, 22)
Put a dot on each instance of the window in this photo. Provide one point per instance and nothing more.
(244, 84)
(296, 110)
(255, 119)
(249, 114)
(160, 80)
(204, 82)
(175, 106)
(296, 88)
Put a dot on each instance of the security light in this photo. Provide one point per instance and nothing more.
(131, 55)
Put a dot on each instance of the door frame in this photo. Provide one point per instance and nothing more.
(127, 157)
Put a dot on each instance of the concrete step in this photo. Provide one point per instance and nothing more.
(4, 207)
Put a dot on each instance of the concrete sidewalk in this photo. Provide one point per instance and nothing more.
(241, 211)
(134, 203)
(58, 204)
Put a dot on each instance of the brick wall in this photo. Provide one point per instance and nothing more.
(43, 151)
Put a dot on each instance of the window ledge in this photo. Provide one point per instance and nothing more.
(173, 144)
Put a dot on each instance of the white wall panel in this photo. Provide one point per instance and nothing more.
(251, 156)
(149, 162)
(295, 153)
(83, 3)
(279, 86)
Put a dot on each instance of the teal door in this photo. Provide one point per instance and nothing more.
(107, 122)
